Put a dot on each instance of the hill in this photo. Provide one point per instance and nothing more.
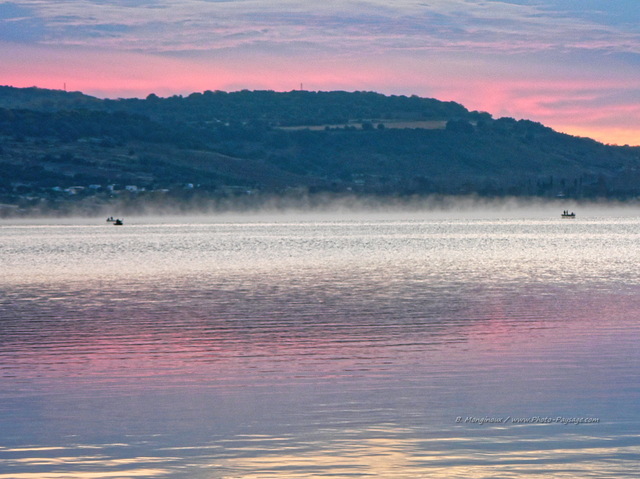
(63, 151)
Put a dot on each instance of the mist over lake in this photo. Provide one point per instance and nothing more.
(460, 343)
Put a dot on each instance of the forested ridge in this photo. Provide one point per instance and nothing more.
(62, 150)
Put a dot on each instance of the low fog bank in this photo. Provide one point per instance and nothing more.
(335, 207)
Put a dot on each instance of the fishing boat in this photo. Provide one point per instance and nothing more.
(566, 214)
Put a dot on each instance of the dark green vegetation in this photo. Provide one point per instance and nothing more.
(61, 151)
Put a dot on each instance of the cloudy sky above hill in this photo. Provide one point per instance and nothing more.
(573, 65)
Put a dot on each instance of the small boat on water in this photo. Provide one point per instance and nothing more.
(110, 219)
(118, 222)
(566, 214)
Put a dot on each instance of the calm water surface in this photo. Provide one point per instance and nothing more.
(378, 348)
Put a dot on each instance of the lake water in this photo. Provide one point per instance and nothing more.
(291, 348)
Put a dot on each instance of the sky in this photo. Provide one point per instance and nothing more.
(573, 65)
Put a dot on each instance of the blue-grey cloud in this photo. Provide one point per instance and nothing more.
(20, 24)
(192, 25)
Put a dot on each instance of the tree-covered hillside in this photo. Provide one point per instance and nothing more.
(294, 108)
(59, 149)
